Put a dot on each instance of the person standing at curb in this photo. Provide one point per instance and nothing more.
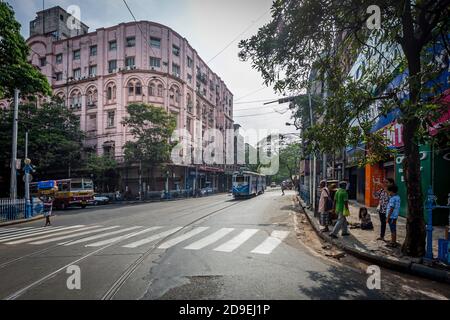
(383, 198)
(392, 211)
(341, 208)
(325, 205)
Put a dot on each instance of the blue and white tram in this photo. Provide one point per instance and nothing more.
(247, 184)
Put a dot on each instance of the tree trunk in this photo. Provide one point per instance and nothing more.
(414, 244)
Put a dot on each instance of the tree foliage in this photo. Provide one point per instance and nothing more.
(320, 40)
(55, 138)
(15, 71)
(103, 169)
(152, 129)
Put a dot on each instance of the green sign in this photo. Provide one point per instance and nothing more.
(434, 170)
(425, 173)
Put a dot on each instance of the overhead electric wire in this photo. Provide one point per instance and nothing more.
(238, 36)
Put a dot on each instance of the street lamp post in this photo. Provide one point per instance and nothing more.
(13, 182)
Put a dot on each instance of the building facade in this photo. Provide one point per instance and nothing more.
(97, 74)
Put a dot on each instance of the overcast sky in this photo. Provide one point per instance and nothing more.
(209, 26)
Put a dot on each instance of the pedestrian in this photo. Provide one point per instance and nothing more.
(325, 205)
(48, 207)
(283, 187)
(364, 217)
(392, 211)
(341, 208)
(383, 199)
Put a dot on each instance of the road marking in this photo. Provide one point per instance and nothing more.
(33, 233)
(216, 236)
(50, 235)
(24, 232)
(9, 230)
(103, 235)
(152, 238)
(124, 237)
(73, 235)
(237, 241)
(177, 240)
(271, 242)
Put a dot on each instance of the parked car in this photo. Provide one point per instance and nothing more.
(273, 185)
(100, 199)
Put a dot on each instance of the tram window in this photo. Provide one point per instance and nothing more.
(240, 179)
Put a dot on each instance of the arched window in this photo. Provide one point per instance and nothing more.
(75, 99)
(91, 97)
(152, 89)
(61, 98)
(177, 96)
(134, 87)
(111, 91)
(190, 105)
(160, 90)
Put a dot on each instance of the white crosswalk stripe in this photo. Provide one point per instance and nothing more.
(216, 236)
(170, 243)
(237, 241)
(9, 230)
(33, 233)
(152, 238)
(121, 238)
(51, 235)
(271, 242)
(99, 236)
(73, 235)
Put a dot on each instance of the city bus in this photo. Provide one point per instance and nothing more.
(78, 192)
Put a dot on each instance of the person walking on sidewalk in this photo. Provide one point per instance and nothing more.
(283, 187)
(383, 200)
(392, 211)
(325, 205)
(341, 208)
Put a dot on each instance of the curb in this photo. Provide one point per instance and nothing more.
(413, 268)
(11, 223)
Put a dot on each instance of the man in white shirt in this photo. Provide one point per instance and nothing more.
(325, 205)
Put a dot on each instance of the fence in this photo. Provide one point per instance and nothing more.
(162, 195)
(11, 210)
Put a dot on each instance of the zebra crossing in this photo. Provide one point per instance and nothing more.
(225, 240)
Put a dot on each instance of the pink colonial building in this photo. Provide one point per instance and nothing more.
(99, 73)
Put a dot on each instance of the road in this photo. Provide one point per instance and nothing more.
(207, 248)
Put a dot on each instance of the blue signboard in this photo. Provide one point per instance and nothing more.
(46, 185)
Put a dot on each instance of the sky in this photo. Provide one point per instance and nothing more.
(209, 26)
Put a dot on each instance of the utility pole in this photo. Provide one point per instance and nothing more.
(313, 182)
(13, 183)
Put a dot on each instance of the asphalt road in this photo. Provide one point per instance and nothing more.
(207, 248)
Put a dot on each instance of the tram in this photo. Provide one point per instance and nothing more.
(248, 184)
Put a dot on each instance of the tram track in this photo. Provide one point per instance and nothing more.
(125, 275)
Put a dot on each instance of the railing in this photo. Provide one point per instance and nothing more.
(11, 210)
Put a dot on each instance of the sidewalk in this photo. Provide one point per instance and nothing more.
(363, 244)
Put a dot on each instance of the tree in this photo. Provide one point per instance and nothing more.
(289, 157)
(326, 37)
(55, 138)
(15, 71)
(152, 128)
(103, 168)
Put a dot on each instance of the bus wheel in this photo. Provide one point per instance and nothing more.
(83, 206)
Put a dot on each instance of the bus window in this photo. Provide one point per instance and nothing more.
(63, 186)
(88, 185)
(76, 186)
